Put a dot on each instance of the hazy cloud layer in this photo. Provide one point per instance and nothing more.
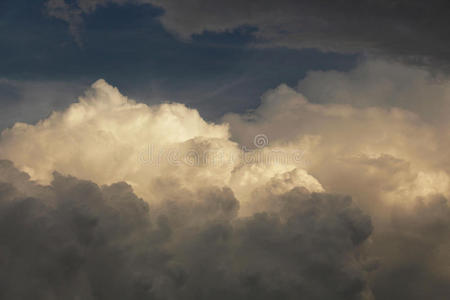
(411, 30)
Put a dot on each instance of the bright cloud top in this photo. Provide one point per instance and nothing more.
(107, 138)
(214, 206)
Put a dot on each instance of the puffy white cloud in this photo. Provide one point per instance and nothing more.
(384, 84)
(373, 150)
(222, 215)
(379, 133)
(106, 138)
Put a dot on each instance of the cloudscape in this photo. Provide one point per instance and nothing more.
(165, 149)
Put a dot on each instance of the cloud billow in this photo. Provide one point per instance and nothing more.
(83, 216)
(76, 240)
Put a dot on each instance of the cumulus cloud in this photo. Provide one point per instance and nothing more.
(383, 84)
(73, 239)
(165, 205)
(412, 249)
(76, 240)
(393, 160)
(106, 138)
(397, 153)
(412, 30)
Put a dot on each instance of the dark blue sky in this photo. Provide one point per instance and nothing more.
(128, 47)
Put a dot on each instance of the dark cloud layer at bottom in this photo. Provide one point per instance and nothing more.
(77, 240)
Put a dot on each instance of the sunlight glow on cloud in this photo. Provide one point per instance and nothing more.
(104, 137)
(161, 182)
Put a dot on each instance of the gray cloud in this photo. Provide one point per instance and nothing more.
(71, 14)
(76, 240)
(413, 249)
(195, 238)
(410, 30)
(383, 84)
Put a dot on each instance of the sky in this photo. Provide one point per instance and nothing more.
(200, 149)
(127, 46)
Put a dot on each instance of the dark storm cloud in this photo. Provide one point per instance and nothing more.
(413, 249)
(411, 30)
(76, 240)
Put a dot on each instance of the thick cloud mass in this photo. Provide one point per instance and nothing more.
(106, 137)
(413, 251)
(76, 240)
(372, 150)
(412, 30)
(393, 160)
(200, 213)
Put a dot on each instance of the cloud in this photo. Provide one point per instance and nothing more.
(188, 209)
(409, 30)
(70, 14)
(73, 12)
(383, 84)
(412, 248)
(388, 153)
(378, 133)
(74, 239)
(106, 137)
